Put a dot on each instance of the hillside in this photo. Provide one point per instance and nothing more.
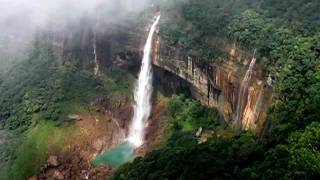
(285, 35)
(168, 89)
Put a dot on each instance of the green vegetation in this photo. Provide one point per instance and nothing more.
(261, 24)
(40, 86)
(296, 103)
(34, 148)
(286, 35)
(8, 144)
(305, 152)
(183, 158)
(188, 114)
(224, 156)
(36, 97)
(37, 94)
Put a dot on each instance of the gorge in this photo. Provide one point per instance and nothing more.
(217, 85)
(220, 85)
(211, 90)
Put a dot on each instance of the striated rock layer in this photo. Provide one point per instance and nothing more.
(218, 84)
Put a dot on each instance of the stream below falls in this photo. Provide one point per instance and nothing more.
(142, 109)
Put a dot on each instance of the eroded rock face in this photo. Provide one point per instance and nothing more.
(97, 43)
(73, 166)
(97, 132)
(215, 85)
(218, 84)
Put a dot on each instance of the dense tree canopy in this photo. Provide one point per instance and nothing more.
(286, 35)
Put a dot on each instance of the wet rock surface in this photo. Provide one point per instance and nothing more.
(218, 84)
(73, 166)
(96, 132)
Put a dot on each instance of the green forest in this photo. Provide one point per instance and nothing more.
(286, 35)
(37, 94)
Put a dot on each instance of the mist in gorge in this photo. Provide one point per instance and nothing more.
(41, 45)
(22, 20)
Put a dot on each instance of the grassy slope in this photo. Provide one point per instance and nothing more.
(48, 94)
(37, 142)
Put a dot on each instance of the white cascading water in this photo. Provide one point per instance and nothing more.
(96, 63)
(243, 93)
(142, 94)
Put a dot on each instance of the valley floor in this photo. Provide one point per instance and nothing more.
(92, 133)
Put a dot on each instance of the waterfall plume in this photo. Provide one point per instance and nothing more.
(142, 94)
(96, 63)
(243, 94)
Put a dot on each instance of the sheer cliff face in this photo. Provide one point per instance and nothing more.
(218, 85)
(91, 43)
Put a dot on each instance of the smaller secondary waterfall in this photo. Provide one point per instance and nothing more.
(243, 94)
(142, 94)
(96, 63)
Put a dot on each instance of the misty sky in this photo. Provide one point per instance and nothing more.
(20, 19)
(37, 13)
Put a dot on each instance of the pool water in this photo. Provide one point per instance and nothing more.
(117, 156)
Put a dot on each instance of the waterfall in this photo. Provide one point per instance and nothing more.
(142, 94)
(258, 107)
(243, 94)
(96, 63)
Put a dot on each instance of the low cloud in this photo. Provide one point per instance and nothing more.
(20, 19)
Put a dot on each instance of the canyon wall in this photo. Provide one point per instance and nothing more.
(218, 84)
(93, 44)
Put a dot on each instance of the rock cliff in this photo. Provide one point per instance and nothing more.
(218, 84)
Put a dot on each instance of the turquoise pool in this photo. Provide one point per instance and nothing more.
(117, 156)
